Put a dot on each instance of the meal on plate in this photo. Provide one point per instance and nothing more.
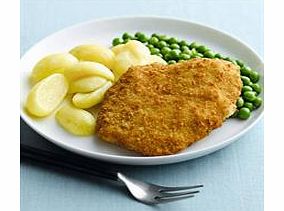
(155, 95)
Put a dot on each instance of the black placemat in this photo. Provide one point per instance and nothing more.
(31, 138)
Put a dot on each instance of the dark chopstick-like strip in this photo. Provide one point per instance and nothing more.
(81, 165)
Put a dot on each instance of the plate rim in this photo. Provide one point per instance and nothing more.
(144, 160)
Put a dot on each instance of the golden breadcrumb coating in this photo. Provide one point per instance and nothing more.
(162, 109)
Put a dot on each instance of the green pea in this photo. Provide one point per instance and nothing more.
(162, 44)
(256, 87)
(187, 51)
(116, 41)
(160, 55)
(163, 37)
(245, 80)
(154, 41)
(193, 45)
(199, 55)
(137, 34)
(209, 54)
(168, 57)
(240, 102)
(257, 102)
(184, 48)
(150, 46)
(249, 96)
(228, 59)
(126, 40)
(254, 76)
(155, 35)
(165, 50)
(240, 63)
(246, 71)
(184, 56)
(202, 49)
(184, 43)
(175, 53)
(248, 105)
(218, 56)
(172, 40)
(194, 51)
(126, 36)
(244, 113)
(143, 38)
(154, 51)
(172, 62)
(174, 46)
(246, 88)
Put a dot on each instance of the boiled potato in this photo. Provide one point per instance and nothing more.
(95, 53)
(75, 120)
(156, 59)
(87, 84)
(85, 69)
(118, 48)
(87, 100)
(124, 60)
(55, 63)
(130, 54)
(46, 95)
(138, 49)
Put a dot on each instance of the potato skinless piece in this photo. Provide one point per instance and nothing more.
(162, 109)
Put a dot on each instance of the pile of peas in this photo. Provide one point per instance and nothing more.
(173, 50)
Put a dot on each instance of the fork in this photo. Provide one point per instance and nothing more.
(146, 193)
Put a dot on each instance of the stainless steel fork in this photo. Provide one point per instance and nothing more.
(154, 194)
(144, 192)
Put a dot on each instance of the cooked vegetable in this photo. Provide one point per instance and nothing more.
(87, 84)
(254, 76)
(85, 69)
(157, 59)
(249, 96)
(141, 37)
(246, 71)
(248, 105)
(116, 41)
(54, 63)
(244, 113)
(46, 95)
(88, 100)
(172, 62)
(246, 80)
(94, 53)
(240, 102)
(162, 44)
(209, 54)
(246, 88)
(174, 46)
(257, 102)
(256, 87)
(154, 41)
(75, 120)
(126, 55)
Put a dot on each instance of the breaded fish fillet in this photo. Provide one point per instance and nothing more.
(162, 109)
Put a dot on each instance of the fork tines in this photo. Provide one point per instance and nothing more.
(169, 194)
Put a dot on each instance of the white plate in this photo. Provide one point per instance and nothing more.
(103, 31)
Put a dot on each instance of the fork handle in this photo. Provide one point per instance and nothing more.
(82, 165)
